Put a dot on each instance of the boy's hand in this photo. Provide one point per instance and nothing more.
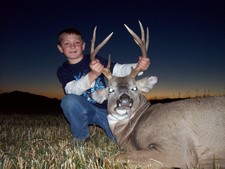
(143, 63)
(96, 67)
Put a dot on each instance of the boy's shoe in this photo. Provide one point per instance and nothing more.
(80, 141)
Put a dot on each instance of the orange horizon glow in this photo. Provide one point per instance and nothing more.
(152, 95)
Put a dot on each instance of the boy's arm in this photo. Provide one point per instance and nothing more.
(84, 83)
(121, 70)
(79, 86)
(71, 85)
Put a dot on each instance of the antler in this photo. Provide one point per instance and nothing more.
(142, 43)
(94, 51)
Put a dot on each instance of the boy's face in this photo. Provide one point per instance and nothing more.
(72, 47)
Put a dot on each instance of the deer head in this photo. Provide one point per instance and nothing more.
(124, 93)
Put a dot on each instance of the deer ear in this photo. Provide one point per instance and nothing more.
(100, 95)
(147, 83)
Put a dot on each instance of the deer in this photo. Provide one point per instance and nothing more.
(180, 134)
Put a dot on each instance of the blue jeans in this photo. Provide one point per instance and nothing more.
(80, 113)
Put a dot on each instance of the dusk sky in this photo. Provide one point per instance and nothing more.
(187, 42)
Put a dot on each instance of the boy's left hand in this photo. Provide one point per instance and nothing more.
(143, 63)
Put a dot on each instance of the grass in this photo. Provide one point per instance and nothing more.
(44, 141)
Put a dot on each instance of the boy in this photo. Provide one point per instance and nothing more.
(80, 77)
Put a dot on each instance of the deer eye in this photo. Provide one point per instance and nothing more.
(110, 90)
(134, 89)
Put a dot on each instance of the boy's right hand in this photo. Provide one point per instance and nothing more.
(96, 67)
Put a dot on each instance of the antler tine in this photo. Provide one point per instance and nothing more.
(95, 51)
(93, 43)
(142, 32)
(147, 40)
(142, 43)
(106, 71)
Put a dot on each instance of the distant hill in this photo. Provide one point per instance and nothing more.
(26, 103)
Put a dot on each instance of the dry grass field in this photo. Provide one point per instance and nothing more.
(45, 142)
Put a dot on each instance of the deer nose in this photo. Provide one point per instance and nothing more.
(125, 101)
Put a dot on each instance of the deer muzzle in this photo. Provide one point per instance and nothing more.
(124, 101)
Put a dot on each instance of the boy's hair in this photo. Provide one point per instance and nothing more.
(68, 31)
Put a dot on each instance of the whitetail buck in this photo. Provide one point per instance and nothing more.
(180, 134)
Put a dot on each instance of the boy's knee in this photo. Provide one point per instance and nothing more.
(69, 100)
